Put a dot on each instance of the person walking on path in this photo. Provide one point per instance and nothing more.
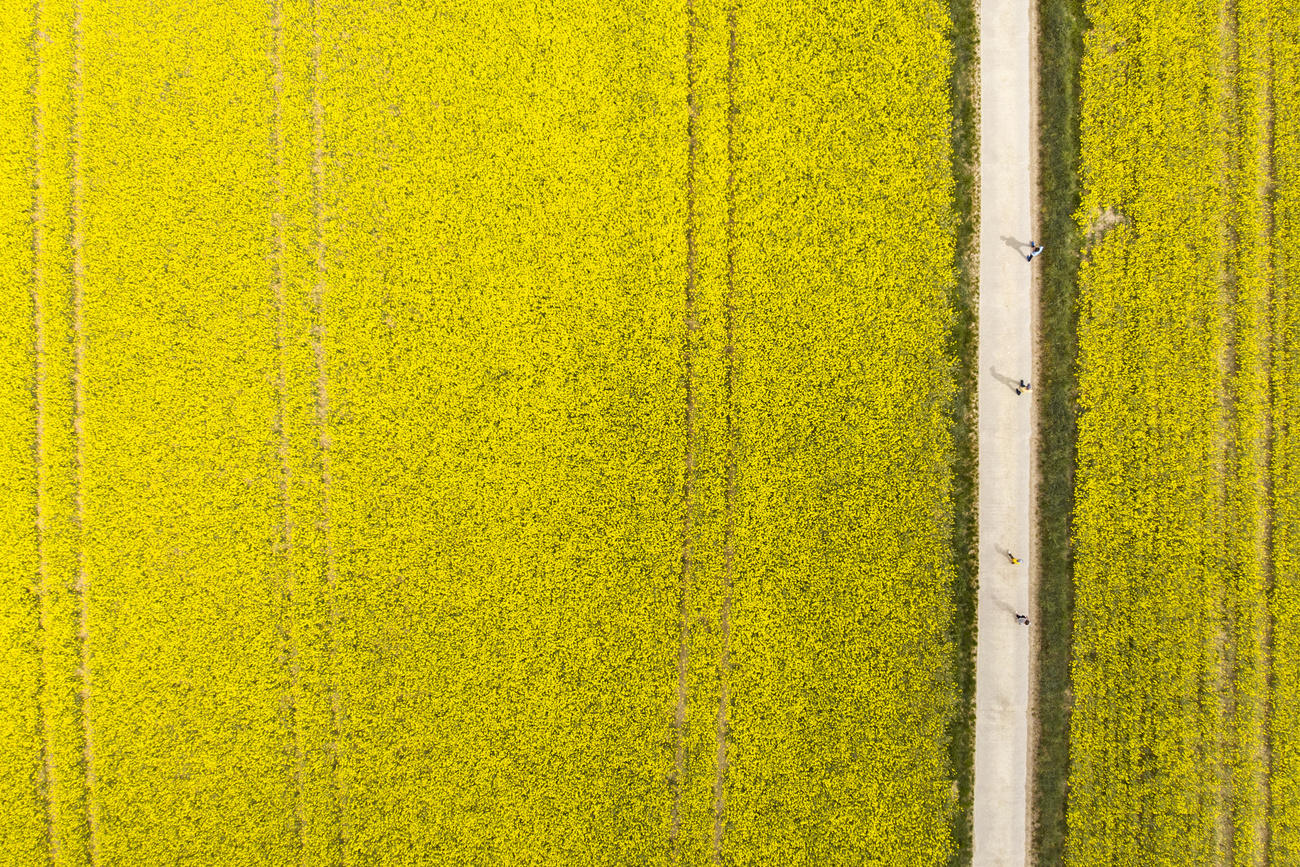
(1015, 561)
(1034, 250)
(1023, 386)
(1022, 620)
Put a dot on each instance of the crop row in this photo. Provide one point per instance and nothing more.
(1284, 805)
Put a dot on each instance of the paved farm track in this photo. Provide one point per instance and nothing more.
(1005, 435)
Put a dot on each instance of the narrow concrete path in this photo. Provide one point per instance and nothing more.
(1001, 833)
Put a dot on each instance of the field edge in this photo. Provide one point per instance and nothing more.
(964, 90)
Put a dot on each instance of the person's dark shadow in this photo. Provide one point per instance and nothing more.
(1006, 555)
(1021, 247)
(1010, 383)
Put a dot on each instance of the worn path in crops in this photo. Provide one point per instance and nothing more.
(1006, 306)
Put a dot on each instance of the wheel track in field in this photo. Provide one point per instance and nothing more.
(729, 493)
(688, 485)
(1262, 717)
(1221, 636)
(1247, 395)
(78, 426)
(46, 782)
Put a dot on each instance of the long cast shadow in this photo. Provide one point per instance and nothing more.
(1010, 383)
(1021, 247)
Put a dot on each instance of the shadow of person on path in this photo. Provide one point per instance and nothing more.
(1012, 610)
(1020, 247)
(1007, 555)
(1010, 383)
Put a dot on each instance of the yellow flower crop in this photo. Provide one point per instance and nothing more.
(486, 433)
(842, 683)
(1184, 672)
(22, 813)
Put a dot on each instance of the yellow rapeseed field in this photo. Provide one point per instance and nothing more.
(1186, 680)
(487, 433)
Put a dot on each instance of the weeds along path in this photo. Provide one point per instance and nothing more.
(1005, 435)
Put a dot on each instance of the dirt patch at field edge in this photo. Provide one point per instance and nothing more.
(1103, 223)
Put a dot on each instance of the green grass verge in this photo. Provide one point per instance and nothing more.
(1061, 25)
(965, 154)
